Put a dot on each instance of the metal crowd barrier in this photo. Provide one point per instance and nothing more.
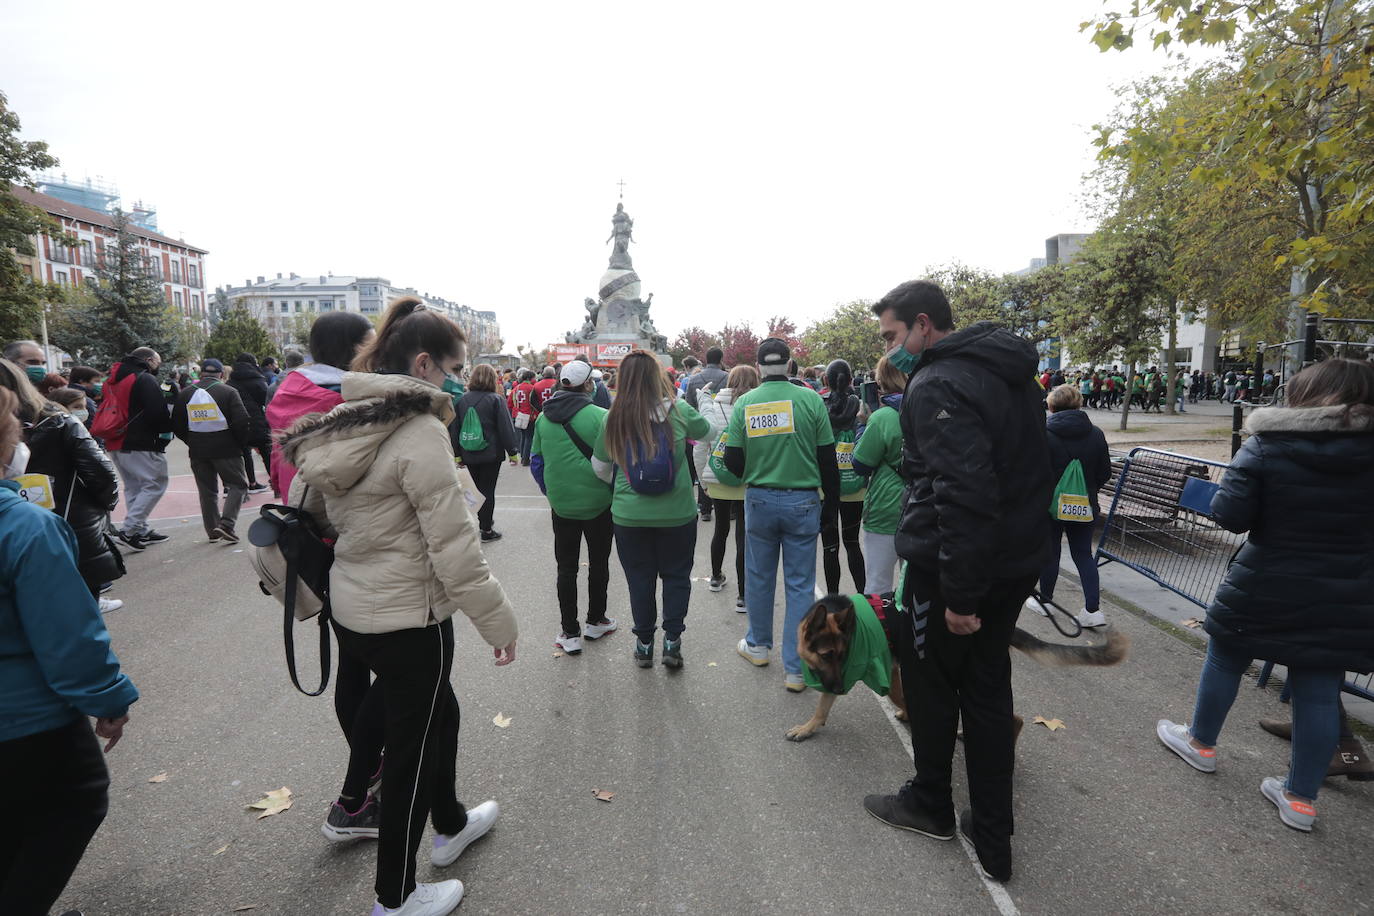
(1160, 525)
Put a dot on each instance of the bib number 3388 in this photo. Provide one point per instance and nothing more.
(773, 418)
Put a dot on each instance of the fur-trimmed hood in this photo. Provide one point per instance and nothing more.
(333, 451)
(1311, 420)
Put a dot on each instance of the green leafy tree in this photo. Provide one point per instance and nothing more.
(849, 333)
(239, 332)
(20, 298)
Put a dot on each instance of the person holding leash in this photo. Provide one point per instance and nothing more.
(781, 445)
(974, 531)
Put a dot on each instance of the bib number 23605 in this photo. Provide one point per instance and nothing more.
(773, 418)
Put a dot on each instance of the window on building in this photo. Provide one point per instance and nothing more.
(176, 271)
(298, 306)
(195, 303)
(193, 274)
(326, 305)
(61, 276)
(311, 306)
(176, 297)
(87, 255)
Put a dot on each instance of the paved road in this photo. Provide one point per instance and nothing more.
(713, 810)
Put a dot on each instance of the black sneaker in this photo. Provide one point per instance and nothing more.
(154, 537)
(672, 652)
(902, 812)
(1000, 875)
(706, 517)
(257, 488)
(365, 823)
(644, 654)
(492, 535)
(226, 535)
(132, 541)
(716, 583)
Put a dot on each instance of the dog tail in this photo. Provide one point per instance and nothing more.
(1063, 655)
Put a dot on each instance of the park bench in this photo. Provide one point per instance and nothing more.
(1158, 488)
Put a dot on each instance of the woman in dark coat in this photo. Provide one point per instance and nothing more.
(1301, 591)
(247, 379)
(1072, 435)
(497, 429)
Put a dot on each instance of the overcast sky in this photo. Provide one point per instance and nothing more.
(778, 158)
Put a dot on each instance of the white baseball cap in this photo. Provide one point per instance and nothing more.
(575, 374)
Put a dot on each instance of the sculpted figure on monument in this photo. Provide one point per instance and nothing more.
(622, 232)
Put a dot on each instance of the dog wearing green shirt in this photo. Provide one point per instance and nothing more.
(845, 639)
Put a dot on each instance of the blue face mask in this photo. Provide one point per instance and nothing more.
(904, 360)
(36, 374)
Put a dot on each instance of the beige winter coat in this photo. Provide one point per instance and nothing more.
(380, 471)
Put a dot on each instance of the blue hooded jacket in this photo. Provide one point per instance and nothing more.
(56, 664)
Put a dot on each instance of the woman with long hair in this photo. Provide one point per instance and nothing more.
(642, 453)
(1301, 590)
(727, 500)
(843, 406)
(378, 472)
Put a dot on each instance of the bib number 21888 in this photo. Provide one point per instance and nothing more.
(772, 418)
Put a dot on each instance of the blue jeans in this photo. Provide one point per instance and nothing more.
(650, 554)
(1316, 713)
(790, 521)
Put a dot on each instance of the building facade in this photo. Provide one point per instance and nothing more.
(288, 304)
(180, 267)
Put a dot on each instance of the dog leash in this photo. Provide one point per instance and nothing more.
(1050, 605)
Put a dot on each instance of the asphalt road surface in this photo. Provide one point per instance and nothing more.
(713, 811)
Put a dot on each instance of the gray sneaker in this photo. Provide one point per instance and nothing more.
(1299, 815)
(1177, 739)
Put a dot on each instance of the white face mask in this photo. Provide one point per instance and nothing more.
(18, 462)
(81, 415)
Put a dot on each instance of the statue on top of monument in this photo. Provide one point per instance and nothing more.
(622, 232)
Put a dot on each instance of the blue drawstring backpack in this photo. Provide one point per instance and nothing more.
(653, 476)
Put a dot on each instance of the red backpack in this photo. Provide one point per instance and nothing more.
(112, 417)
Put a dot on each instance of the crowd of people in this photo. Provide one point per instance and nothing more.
(1107, 388)
(930, 478)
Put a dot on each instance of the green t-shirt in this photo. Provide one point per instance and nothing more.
(780, 425)
(881, 447)
(869, 659)
(666, 510)
(574, 490)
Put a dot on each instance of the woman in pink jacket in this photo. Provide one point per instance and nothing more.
(334, 339)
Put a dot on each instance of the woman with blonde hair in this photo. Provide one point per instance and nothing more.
(642, 453)
(727, 498)
(878, 457)
(378, 471)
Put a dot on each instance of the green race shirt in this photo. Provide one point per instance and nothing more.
(666, 510)
(780, 425)
(574, 490)
(881, 447)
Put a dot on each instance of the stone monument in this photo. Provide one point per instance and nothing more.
(618, 320)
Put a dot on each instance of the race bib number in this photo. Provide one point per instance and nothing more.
(1074, 508)
(718, 450)
(773, 418)
(844, 455)
(37, 489)
(204, 413)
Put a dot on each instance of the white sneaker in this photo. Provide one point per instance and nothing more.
(427, 900)
(1033, 604)
(598, 630)
(447, 849)
(1088, 619)
(110, 604)
(755, 655)
(569, 644)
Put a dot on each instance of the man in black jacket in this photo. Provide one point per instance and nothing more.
(247, 379)
(215, 432)
(974, 532)
(140, 458)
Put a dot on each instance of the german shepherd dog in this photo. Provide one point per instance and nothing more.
(824, 635)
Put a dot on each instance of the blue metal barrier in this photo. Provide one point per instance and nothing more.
(1160, 525)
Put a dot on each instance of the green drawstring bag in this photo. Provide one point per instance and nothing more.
(1071, 502)
(471, 438)
(717, 463)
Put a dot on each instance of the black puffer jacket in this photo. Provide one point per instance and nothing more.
(63, 449)
(149, 412)
(1301, 590)
(976, 462)
(497, 427)
(1072, 435)
(247, 379)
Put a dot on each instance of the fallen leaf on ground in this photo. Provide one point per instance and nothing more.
(274, 802)
(1192, 623)
(160, 777)
(603, 795)
(501, 721)
(712, 665)
(222, 849)
(245, 908)
(1051, 724)
(557, 654)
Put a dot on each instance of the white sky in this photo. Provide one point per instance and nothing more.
(778, 157)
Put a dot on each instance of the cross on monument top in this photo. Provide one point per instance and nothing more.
(621, 183)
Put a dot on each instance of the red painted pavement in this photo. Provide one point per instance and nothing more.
(181, 501)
